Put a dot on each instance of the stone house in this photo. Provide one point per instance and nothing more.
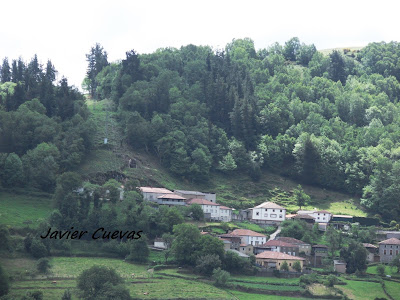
(389, 249)
(274, 260)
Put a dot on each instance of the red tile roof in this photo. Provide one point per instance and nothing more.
(392, 241)
(146, 189)
(171, 196)
(291, 240)
(224, 207)
(246, 232)
(278, 243)
(201, 202)
(277, 255)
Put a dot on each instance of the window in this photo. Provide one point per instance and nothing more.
(273, 210)
(290, 264)
(391, 252)
(273, 215)
(280, 216)
(384, 252)
(257, 213)
(281, 210)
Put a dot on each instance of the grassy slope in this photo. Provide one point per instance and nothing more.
(23, 210)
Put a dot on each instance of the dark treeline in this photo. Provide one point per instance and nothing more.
(327, 120)
(44, 127)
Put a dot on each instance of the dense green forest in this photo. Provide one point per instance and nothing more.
(326, 120)
(44, 128)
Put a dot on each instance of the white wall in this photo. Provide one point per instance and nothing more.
(269, 214)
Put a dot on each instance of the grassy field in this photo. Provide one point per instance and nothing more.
(245, 296)
(393, 289)
(388, 270)
(362, 290)
(23, 210)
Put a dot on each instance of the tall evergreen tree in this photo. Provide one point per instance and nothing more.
(5, 73)
(97, 60)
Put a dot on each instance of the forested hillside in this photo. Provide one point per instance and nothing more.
(44, 127)
(325, 120)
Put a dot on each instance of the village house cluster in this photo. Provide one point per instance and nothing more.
(276, 251)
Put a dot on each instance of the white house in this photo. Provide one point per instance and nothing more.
(225, 213)
(250, 237)
(215, 210)
(320, 216)
(151, 193)
(268, 213)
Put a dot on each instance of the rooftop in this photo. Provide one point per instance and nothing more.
(291, 240)
(277, 255)
(392, 241)
(269, 205)
(301, 216)
(278, 243)
(171, 196)
(224, 207)
(246, 232)
(200, 202)
(190, 192)
(320, 246)
(146, 189)
(239, 253)
(367, 245)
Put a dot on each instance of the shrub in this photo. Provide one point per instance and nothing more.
(380, 269)
(207, 263)
(43, 265)
(331, 280)
(220, 277)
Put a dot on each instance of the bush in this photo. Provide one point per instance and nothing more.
(38, 249)
(309, 279)
(380, 269)
(207, 263)
(331, 280)
(43, 265)
(221, 277)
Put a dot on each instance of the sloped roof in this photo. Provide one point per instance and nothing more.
(323, 212)
(201, 202)
(239, 253)
(291, 240)
(224, 207)
(277, 255)
(392, 241)
(246, 232)
(301, 216)
(269, 204)
(190, 192)
(278, 243)
(146, 189)
(367, 245)
(320, 246)
(171, 196)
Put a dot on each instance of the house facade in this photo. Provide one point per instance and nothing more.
(280, 246)
(268, 213)
(249, 237)
(372, 255)
(303, 247)
(320, 216)
(389, 249)
(214, 210)
(274, 260)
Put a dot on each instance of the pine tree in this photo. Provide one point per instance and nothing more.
(5, 73)
(97, 60)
